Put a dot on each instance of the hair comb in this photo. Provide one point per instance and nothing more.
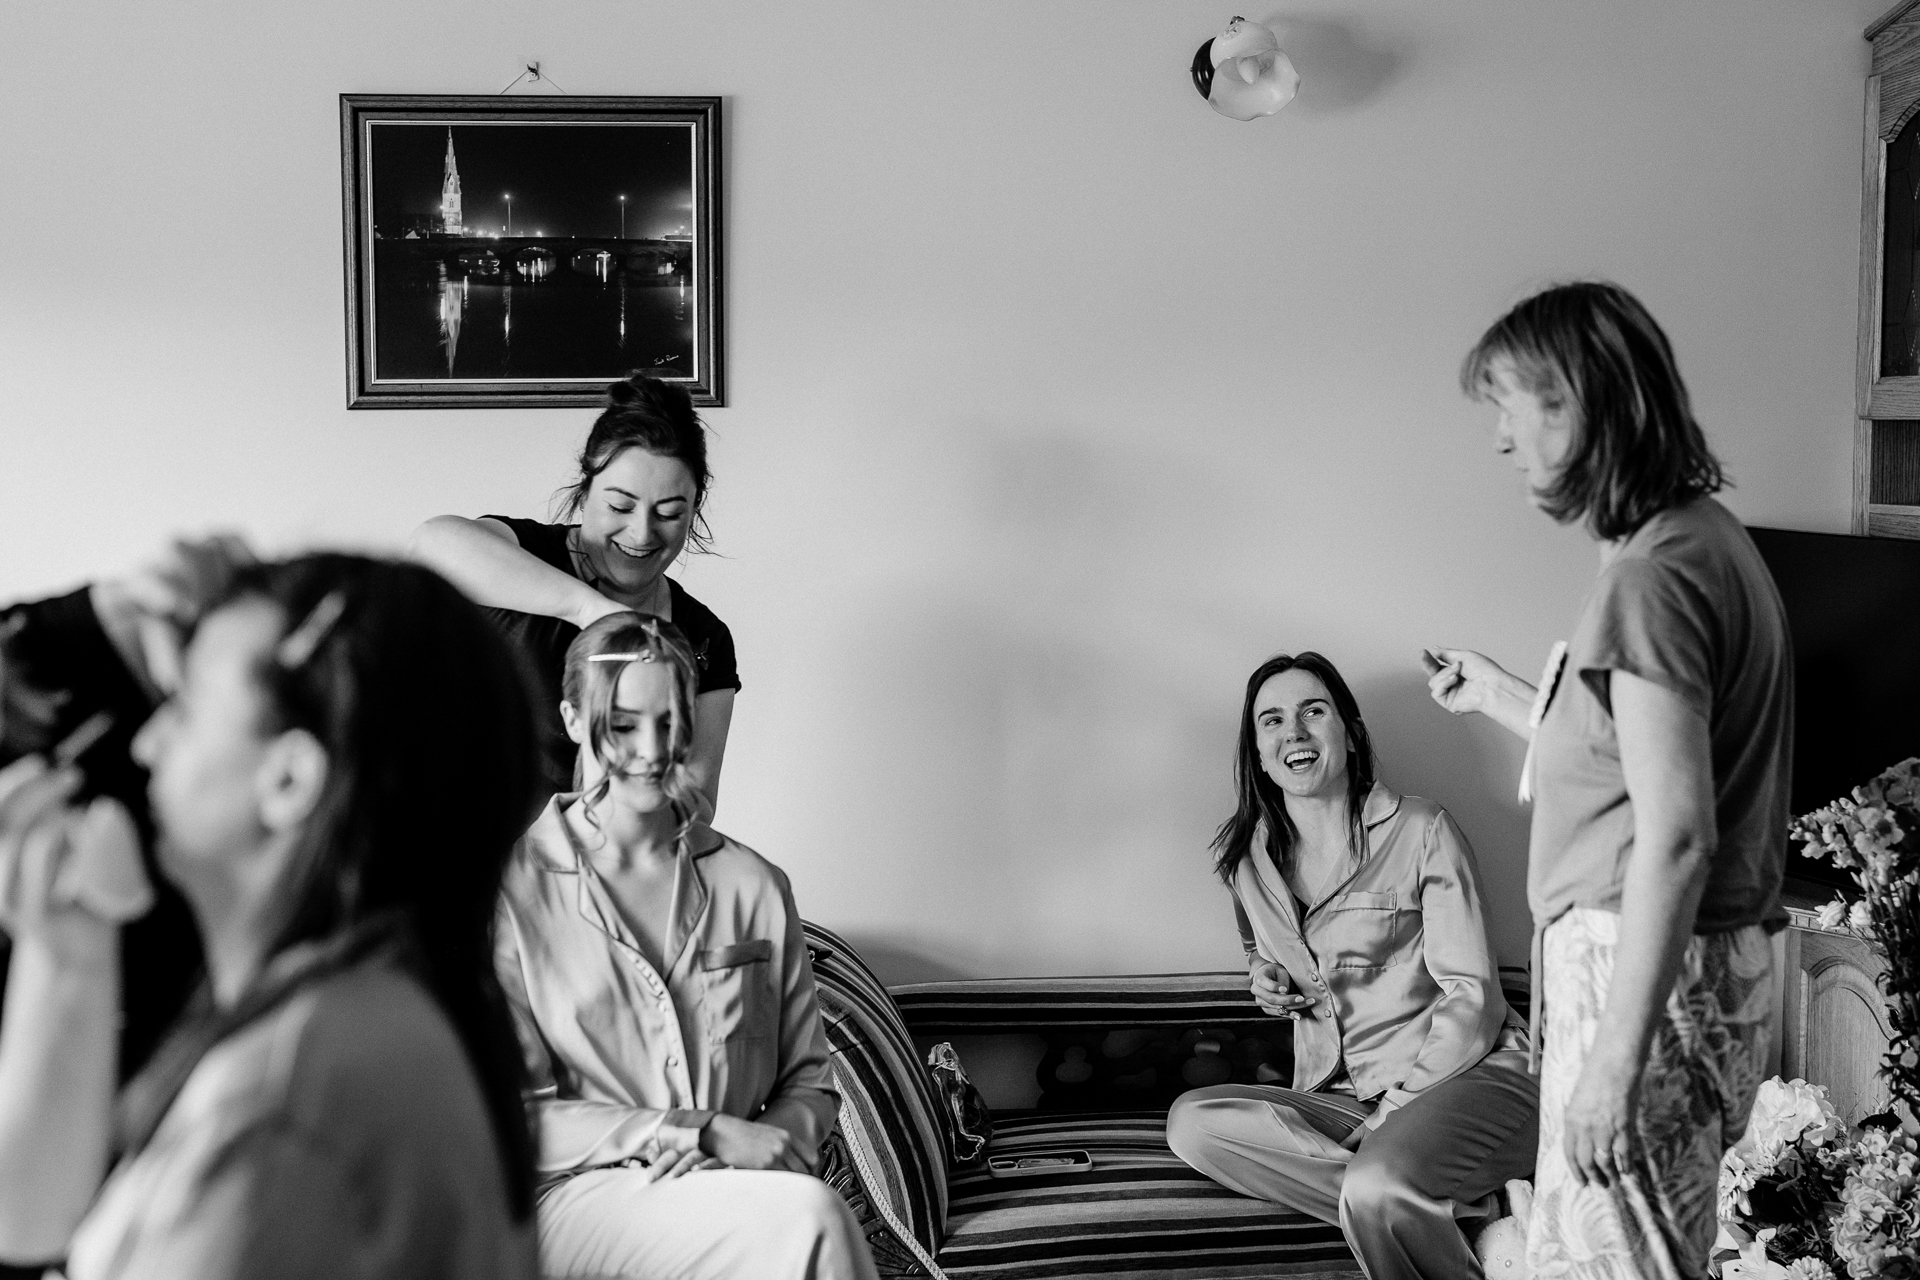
(300, 644)
(645, 655)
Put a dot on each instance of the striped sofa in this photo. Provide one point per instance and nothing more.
(1141, 1212)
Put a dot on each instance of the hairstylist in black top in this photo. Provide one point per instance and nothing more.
(639, 497)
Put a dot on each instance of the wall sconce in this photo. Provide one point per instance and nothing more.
(1242, 72)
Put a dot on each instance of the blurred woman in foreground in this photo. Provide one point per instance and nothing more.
(335, 783)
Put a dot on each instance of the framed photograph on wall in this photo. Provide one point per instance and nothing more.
(513, 252)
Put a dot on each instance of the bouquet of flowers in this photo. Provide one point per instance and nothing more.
(1799, 1200)
(1875, 835)
(1876, 1226)
(1776, 1184)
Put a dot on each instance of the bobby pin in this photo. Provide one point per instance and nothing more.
(300, 643)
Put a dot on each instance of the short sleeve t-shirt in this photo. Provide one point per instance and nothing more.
(1687, 604)
(543, 643)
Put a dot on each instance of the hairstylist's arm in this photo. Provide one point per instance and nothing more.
(1666, 756)
(485, 560)
(712, 718)
(57, 1039)
(1463, 681)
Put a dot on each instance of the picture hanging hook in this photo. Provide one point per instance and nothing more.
(531, 74)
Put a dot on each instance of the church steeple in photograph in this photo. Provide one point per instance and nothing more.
(450, 219)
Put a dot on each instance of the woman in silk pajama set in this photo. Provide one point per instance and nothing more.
(660, 981)
(1411, 1102)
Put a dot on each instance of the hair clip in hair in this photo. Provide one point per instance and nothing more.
(301, 643)
(645, 655)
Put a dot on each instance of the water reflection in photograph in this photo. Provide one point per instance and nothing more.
(532, 315)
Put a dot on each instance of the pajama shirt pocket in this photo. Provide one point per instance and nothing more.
(741, 1003)
(1365, 930)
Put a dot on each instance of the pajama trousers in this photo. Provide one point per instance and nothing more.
(1398, 1198)
(612, 1224)
(1656, 1221)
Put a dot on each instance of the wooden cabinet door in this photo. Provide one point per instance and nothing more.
(1836, 1022)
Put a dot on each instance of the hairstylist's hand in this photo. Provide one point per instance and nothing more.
(1273, 990)
(146, 613)
(747, 1144)
(593, 607)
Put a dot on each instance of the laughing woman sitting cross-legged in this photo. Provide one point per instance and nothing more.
(661, 984)
(1360, 912)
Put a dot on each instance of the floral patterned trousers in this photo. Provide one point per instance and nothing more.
(1656, 1222)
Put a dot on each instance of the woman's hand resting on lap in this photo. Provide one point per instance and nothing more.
(676, 1163)
(747, 1144)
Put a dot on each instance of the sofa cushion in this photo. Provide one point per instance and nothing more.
(1141, 1212)
(890, 1159)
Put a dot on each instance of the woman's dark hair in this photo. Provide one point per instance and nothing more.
(1636, 449)
(1259, 800)
(645, 413)
(428, 727)
(595, 661)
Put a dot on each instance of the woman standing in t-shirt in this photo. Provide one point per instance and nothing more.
(639, 496)
(1659, 769)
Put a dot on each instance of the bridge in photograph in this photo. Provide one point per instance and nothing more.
(538, 256)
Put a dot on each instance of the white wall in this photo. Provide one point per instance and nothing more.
(1057, 401)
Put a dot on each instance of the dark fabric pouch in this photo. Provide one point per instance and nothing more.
(964, 1113)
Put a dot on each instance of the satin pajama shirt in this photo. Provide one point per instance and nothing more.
(628, 1062)
(1408, 1035)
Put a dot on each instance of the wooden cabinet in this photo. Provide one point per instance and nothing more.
(1886, 472)
(1835, 1022)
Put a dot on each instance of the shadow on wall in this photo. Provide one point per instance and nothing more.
(1340, 69)
(1471, 767)
(898, 959)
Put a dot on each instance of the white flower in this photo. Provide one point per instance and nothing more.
(1832, 914)
(1784, 1112)
(1753, 1264)
(1809, 1269)
(1737, 1178)
(1859, 919)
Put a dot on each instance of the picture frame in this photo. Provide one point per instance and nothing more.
(519, 252)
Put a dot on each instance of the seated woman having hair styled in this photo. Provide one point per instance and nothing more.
(336, 782)
(1360, 913)
(666, 1004)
